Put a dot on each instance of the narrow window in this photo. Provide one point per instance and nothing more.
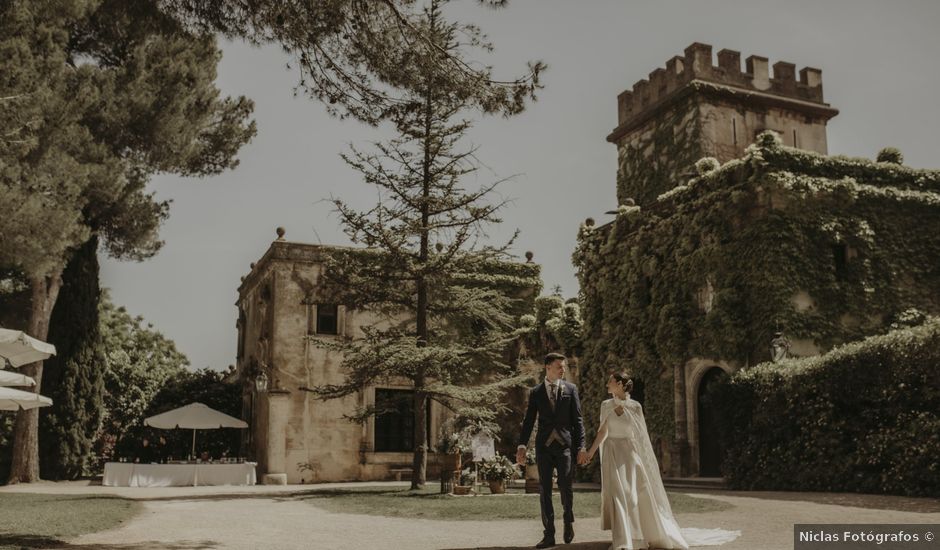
(794, 138)
(644, 291)
(327, 316)
(840, 258)
(734, 131)
(311, 318)
(242, 327)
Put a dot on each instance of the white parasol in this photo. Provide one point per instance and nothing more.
(195, 416)
(20, 348)
(8, 378)
(14, 400)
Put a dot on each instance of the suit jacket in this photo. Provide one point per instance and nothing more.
(565, 418)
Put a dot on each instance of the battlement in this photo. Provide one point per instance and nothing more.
(696, 64)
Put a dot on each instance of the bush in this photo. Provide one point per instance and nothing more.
(861, 418)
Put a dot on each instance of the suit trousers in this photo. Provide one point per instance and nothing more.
(555, 457)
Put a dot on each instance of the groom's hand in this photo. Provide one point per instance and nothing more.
(520, 456)
(582, 457)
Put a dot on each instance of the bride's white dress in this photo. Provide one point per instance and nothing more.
(634, 506)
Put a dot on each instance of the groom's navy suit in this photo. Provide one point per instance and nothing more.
(564, 420)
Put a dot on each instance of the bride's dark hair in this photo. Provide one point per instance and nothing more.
(624, 380)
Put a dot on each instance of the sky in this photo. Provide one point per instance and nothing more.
(878, 60)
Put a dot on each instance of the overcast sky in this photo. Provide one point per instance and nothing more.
(879, 63)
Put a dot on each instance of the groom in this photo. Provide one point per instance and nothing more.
(558, 408)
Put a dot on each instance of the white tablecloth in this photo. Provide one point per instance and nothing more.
(125, 474)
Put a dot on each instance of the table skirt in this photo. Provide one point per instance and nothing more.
(123, 474)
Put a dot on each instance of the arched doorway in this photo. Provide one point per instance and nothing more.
(710, 452)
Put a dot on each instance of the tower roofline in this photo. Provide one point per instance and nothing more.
(687, 73)
(720, 91)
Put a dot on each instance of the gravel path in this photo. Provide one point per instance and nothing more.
(254, 522)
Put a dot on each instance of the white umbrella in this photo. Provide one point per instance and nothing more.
(194, 416)
(14, 400)
(8, 378)
(20, 348)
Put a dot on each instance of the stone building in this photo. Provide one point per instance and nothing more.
(706, 261)
(294, 436)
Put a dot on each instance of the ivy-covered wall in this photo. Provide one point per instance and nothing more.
(653, 159)
(860, 238)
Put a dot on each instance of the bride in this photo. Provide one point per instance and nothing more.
(634, 506)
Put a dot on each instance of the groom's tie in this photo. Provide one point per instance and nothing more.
(553, 399)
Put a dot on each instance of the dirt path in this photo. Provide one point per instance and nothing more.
(286, 522)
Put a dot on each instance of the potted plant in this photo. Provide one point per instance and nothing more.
(498, 470)
(450, 447)
(465, 486)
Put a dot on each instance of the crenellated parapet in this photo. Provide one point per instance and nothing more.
(696, 65)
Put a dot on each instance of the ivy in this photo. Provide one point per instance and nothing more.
(859, 237)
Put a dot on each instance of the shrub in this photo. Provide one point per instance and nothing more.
(861, 418)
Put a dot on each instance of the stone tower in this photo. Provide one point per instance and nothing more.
(693, 109)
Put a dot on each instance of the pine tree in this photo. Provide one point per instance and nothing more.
(450, 302)
(349, 52)
(105, 94)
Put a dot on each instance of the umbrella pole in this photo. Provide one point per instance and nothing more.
(194, 443)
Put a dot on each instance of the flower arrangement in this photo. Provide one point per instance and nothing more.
(498, 468)
(530, 457)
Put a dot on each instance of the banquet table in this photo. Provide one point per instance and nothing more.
(128, 474)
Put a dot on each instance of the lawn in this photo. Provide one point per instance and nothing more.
(430, 504)
(43, 521)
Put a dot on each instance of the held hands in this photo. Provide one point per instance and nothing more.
(583, 457)
(520, 456)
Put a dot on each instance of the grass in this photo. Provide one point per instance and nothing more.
(43, 521)
(428, 503)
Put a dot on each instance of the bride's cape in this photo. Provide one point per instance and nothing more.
(634, 413)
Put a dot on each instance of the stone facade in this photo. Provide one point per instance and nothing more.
(711, 111)
(291, 432)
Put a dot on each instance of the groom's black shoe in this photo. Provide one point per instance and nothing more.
(569, 533)
(546, 542)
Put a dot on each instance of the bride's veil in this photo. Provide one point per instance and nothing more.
(650, 465)
(644, 447)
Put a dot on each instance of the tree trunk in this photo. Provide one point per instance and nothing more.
(420, 464)
(25, 465)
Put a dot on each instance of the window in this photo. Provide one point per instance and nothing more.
(840, 257)
(395, 420)
(644, 291)
(327, 319)
(242, 328)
